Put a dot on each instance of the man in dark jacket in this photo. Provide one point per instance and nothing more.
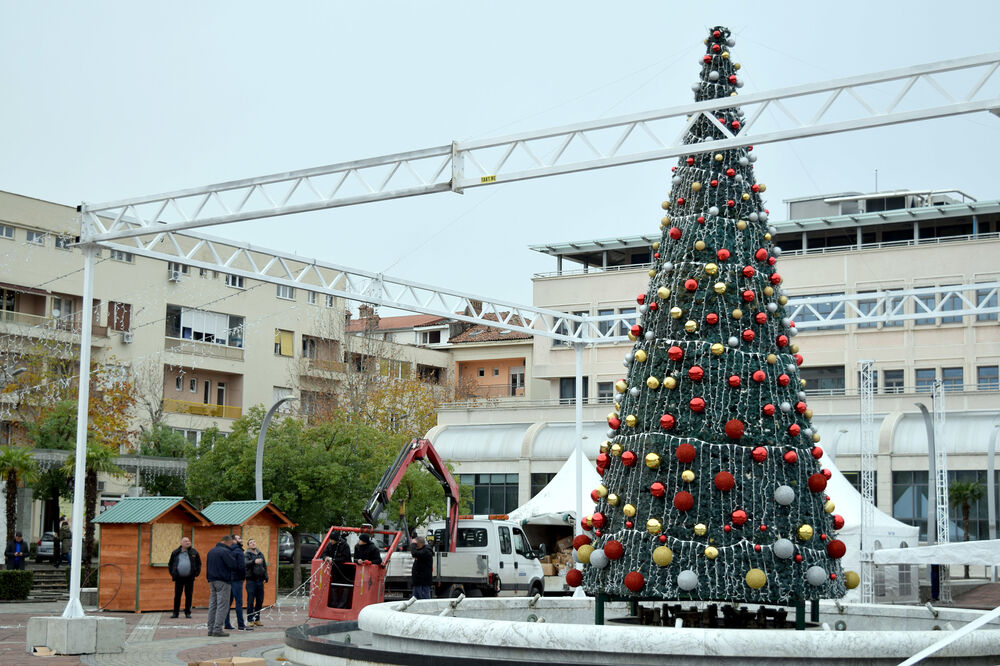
(338, 554)
(237, 563)
(184, 566)
(367, 551)
(17, 551)
(256, 568)
(423, 568)
(219, 571)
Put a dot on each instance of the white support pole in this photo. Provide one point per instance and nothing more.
(991, 492)
(578, 347)
(867, 399)
(73, 607)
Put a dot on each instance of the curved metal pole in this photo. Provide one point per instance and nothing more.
(931, 476)
(259, 469)
(831, 451)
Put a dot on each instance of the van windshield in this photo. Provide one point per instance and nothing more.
(468, 537)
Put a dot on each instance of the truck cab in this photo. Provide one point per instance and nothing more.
(514, 569)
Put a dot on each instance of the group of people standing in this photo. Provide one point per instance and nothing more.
(338, 554)
(228, 568)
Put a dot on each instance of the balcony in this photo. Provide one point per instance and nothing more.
(199, 348)
(324, 365)
(201, 409)
(49, 323)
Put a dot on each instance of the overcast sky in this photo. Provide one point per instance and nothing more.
(107, 100)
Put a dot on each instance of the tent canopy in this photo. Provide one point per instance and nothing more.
(556, 503)
(985, 553)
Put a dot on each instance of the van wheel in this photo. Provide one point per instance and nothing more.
(454, 591)
(536, 589)
(473, 592)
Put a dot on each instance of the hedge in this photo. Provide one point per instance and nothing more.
(15, 584)
(285, 573)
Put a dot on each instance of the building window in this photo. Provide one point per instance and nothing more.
(605, 392)
(567, 390)
(126, 257)
(824, 380)
(193, 436)
(329, 301)
(430, 337)
(854, 478)
(606, 327)
(492, 493)
(175, 270)
(978, 512)
(628, 314)
(909, 499)
(823, 310)
(286, 292)
(986, 298)
(987, 378)
(952, 379)
(951, 303)
(6, 231)
(928, 301)
(204, 326)
(311, 297)
(517, 381)
(481, 372)
(36, 237)
(64, 242)
(874, 382)
(893, 381)
(283, 341)
(235, 281)
(496, 372)
(119, 316)
(308, 347)
(925, 379)
(193, 385)
(178, 383)
(539, 480)
(867, 307)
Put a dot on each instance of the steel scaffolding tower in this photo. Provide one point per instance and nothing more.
(867, 398)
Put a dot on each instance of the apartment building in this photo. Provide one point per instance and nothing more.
(849, 243)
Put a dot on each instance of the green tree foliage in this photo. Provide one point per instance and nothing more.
(56, 431)
(163, 442)
(963, 494)
(17, 468)
(100, 459)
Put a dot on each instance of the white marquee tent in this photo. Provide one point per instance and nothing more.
(556, 503)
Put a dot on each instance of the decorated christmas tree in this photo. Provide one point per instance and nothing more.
(711, 485)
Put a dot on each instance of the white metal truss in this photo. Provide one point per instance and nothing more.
(941, 484)
(867, 396)
(835, 106)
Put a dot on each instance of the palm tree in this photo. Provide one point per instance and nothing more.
(99, 459)
(964, 494)
(18, 468)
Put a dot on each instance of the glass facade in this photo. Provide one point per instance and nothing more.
(491, 493)
(909, 503)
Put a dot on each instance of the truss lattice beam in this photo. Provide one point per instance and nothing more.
(835, 106)
(867, 405)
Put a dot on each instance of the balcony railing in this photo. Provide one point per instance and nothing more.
(477, 392)
(199, 348)
(51, 323)
(324, 365)
(201, 409)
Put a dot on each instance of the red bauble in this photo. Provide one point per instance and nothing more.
(667, 421)
(629, 458)
(730, 203)
(771, 261)
(580, 540)
(636, 330)
(657, 489)
(748, 295)
(574, 577)
(748, 271)
(629, 524)
(798, 359)
(739, 517)
(734, 428)
(817, 483)
(758, 376)
(838, 521)
(663, 538)
(760, 317)
(775, 278)
(756, 547)
(640, 299)
(800, 407)
(614, 423)
(683, 501)
(598, 533)
(586, 524)
(783, 380)
(634, 581)
(711, 319)
(733, 79)
(836, 549)
(701, 219)
(782, 340)
(685, 453)
(680, 201)
(822, 536)
(697, 404)
(817, 452)
(716, 48)
(696, 373)
(602, 459)
(724, 481)
(594, 497)
(730, 172)
(760, 255)
(597, 520)
(691, 284)
(759, 454)
(613, 549)
(798, 557)
(768, 409)
(675, 233)
(727, 528)
(675, 353)
(763, 528)
(653, 306)
(748, 335)
(826, 473)
(794, 430)
(791, 457)
(716, 34)
(722, 254)
(714, 183)
(755, 188)
(734, 381)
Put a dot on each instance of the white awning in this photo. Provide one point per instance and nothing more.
(986, 553)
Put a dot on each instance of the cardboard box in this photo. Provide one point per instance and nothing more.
(230, 661)
(566, 543)
(549, 569)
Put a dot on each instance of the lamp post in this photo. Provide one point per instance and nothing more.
(259, 469)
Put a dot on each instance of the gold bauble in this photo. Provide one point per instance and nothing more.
(618, 405)
(616, 449)
(628, 510)
(653, 383)
(711, 552)
(665, 219)
(719, 287)
(725, 55)
(794, 349)
(583, 553)
(612, 415)
(808, 413)
(737, 314)
(652, 460)
(662, 556)
(687, 476)
(741, 225)
(605, 446)
(736, 65)
(651, 272)
(690, 326)
(829, 507)
(621, 385)
(665, 205)
(695, 186)
(782, 299)
(717, 349)
(802, 383)
(663, 292)
(676, 312)
(640, 356)
(816, 438)
(767, 236)
(613, 499)
(756, 578)
(762, 187)
(772, 359)
(630, 420)
(719, 157)
(632, 337)
(745, 196)
(699, 245)
(670, 383)
(805, 532)
(602, 490)
(769, 291)
(700, 529)
(851, 579)
(656, 245)
(711, 269)
(653, 526)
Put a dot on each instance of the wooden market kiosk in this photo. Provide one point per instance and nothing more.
(138, 534)
(251, 519)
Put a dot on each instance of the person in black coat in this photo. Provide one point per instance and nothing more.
(338, 554)
(238, 573)
(256, 571)
(184, 566)
(218, 571)
(423, 568)
(366, 550)
(16, 553)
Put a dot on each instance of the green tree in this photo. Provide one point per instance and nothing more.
(18, 468)
(963, 494)
(100, 459)
(163, 442)
(56, 431)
